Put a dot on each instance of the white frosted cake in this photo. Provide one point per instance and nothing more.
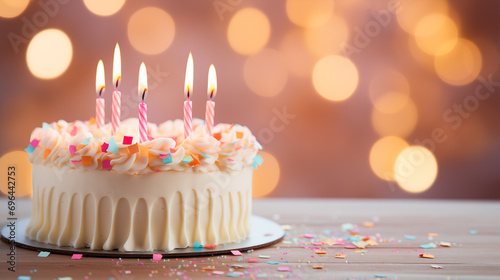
(92, 189)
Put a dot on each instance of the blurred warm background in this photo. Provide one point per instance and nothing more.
(339, 92)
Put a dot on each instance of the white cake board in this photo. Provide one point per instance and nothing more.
(263, 233)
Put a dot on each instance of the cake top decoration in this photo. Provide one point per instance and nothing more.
(84, 146)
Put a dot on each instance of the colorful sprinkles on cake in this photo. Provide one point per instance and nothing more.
(231, 147)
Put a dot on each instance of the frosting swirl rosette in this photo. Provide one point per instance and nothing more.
(81, 145)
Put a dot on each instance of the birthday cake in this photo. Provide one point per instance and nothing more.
(102, 191)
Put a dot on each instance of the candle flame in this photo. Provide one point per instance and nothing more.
(99, 79)
(212, 82)
(117, 66)
(143, 83)
(188, 85)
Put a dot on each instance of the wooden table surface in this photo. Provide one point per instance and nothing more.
(400, 227)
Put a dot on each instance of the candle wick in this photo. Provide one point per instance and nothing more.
(100, 91)
(211, 94)
(144, 94)
(117, 82)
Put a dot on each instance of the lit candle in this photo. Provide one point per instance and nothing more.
(143, 108)
(211, 92)
(117, 95)
(188, 105)
(99, 89)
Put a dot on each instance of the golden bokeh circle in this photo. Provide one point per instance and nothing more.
(49, 54)
(266, 73)
(18, 165)
(383, 155)
(335, 77)
(401, 123)
(436, 34)
(12, 8)
(310, 13)
(410, 12)
(415, 169)
(461, 65)
(327, 38)
(248, 31)
(151, 30)
(104, 7)
(266, 176)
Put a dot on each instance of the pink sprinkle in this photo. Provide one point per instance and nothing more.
(127, 140)
(104, 147)
(230, 159)
(284, 268)
(172, 150)
(157, 257)
(350, 247)
(76, 162)
(162, 156)
(236, 253)
(150, 138)
(34, 143)
(74, 131)
(106, 164)
(72, 149)
(76, 256)
(317, 243)
(308, 235)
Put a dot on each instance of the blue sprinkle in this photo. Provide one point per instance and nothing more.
(226, 154)
(354, 238)
(249, 251)
(257, 160)
(231, 274)
(86, 142)
(380, 276)
(30, 149)
(428, 246)
(259, 146)
(46, 125)
(197, 245)
(167, 159)
(43, 254)
(23, 278)
(203, 154)
(271, 262)
(473, 232)
(113, 147)
(410, 237)
(187, 159)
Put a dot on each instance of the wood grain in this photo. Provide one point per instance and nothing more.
(469, 257)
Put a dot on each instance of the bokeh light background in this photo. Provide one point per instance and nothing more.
(350, 98)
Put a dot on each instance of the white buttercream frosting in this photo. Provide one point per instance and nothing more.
(157, 211)
(231, 148)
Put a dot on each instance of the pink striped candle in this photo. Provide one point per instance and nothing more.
(188, 91)
(99, 88)
(115, 118)
(211, 92)
(143, 108)
(117, 95)
(143, 121)
(188, 118)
